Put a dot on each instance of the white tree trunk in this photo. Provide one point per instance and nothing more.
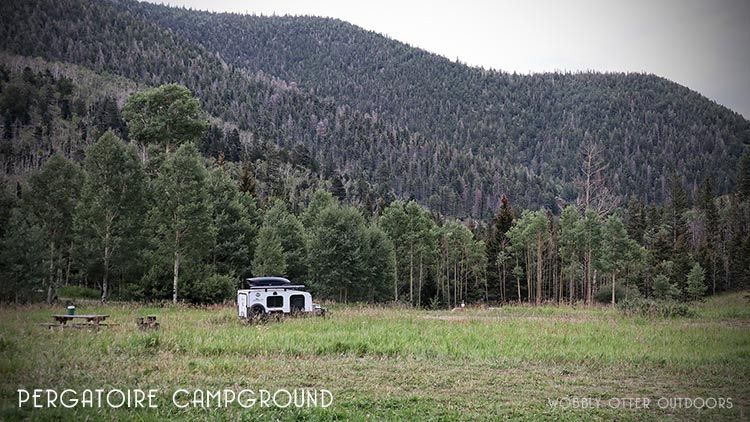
(177, 257)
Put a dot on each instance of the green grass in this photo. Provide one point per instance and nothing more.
(391, 363)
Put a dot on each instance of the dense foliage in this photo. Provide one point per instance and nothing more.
(368, 178)
(203, 232)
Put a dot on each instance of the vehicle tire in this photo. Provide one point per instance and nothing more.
(257, 313)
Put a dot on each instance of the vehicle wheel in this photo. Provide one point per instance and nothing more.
(257, 314)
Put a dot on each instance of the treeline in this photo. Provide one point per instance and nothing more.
(148, 217)
(153, 219)
(148, 220)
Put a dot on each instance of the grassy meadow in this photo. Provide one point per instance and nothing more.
(387, 363)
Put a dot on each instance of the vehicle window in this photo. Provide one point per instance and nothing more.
(297, 302)
(274, 302)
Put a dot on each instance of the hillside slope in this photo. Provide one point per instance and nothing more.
(649, 124)
(389, 118)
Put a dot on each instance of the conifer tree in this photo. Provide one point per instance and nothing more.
(743, 179)
(619, 251)
(235, 217)
(497, 241)
(21, 247)
(696, 286)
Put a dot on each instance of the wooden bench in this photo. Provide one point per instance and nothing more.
(148, 323)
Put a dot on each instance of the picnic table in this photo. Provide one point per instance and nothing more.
(86, 320)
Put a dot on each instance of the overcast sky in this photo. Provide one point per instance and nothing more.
(704, 45)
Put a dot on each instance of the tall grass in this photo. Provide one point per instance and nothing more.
(197, 346)
(572, 335)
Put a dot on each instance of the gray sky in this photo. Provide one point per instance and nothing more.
(704, 45)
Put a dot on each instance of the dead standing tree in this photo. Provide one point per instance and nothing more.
(592, 190)
(594, 195)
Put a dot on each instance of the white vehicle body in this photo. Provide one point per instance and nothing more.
(284, 298)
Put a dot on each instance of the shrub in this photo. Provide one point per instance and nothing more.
(78, 292)
(654, 308)
(663, 289)
(604, 294)
(212, 289)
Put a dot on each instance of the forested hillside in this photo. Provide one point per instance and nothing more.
(386, 118)
(649, 125)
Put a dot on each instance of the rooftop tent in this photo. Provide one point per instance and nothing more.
(267, 281)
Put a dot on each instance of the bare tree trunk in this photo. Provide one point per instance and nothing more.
(107, 253)
(105, 278)
(455, 284)
(539, 264)
(518, 283)
(713, 273)
(587, 277)
(613, 289)
(411, 276)
(591, 288)
(571, 287)
(395, 278)
(528, 275)
(177, 257)
(69, 263)
(51, 286)
(419, 289)
(502, 288)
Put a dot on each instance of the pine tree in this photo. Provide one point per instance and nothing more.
(337, 189)
(663, 289)
(677, 207)
(21, 246)
(247, 182)
(696, 286)
(743, 179)
(635, 219)
(501, 223)
(709, 244)
(235, 217)
(619, 251)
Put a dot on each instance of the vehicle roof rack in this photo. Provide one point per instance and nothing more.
(287, 287)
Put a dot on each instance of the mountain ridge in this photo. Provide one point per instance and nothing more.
(361, 49)
(403, 127)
